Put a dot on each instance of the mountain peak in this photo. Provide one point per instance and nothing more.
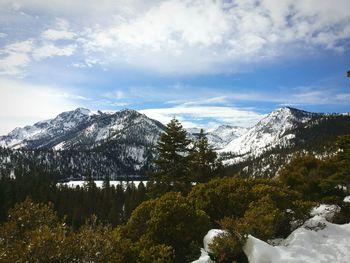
(272, 130)
(83, 111)
(293, 111)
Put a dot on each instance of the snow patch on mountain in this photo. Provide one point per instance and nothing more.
(45, 131)
(82, 128)
(219, 137)
(272, 131)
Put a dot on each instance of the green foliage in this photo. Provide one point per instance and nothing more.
(262, 219)
(222, 197)
(169, 228)
(172, 164)
(157, 254)
(342, 176)
(111, 204)
(228, 247)
(169, 221)
(203, 159)
(94, 243)
(33, 233)
(317, 180)
(264, 208)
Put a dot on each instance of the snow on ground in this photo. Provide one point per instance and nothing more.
(210, 236)
(347, 199)
(204, 258)
(326, 211)
(317, 241)
(74, 184)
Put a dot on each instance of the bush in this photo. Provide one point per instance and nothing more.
(223, 197)
(33, 233)
(167, 223)
(157, 254)
(228, 248)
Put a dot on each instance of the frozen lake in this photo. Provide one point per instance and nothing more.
(74, 184)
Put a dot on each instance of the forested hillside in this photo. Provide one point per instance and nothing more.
(166, 220)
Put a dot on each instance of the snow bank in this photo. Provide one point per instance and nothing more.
(317, 241)
(210, 236)
(204, 258)
(347, 199)
(325, 211)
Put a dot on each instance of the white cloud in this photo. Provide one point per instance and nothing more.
(310, 95)
(19, 47)
(188, 36)
(211, 36)
(15, 57)
(61, 31)
(3, 35)
(48, 50)
(116, 94)
(53, 34)
(343, 97)
(13, 64)
(201, 115)
(23, 104)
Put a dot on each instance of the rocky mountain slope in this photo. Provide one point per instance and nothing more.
(221, 136)
(82, 129)
(81, 142)
(282, 133)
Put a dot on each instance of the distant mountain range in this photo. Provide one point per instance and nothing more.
(81, 142)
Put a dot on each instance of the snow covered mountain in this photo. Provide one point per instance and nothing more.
(83, 129)
(273, 141)
(45, 132)
(222, 135)
(276, 129)
(81, 142)
(122, 143)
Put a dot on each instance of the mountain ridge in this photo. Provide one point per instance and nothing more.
(124, 141)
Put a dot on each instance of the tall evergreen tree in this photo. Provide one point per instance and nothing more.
(89, 183)
(172, 164)
(342, 177)
(204, 161)
(106, 182)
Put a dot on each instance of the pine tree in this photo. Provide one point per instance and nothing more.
(172, 165)
(106, 182)
(203, 159)
(342, 177)
(89, 183)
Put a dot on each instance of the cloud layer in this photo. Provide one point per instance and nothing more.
(24, 104)
(205, 117)
(177, 36)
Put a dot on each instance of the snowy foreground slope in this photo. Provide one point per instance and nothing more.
(317, 241)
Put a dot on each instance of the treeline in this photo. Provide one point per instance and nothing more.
(111, 204)
(171, 215)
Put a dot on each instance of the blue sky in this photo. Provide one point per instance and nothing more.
(205, 62)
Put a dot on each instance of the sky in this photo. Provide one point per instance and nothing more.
(205, 62)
